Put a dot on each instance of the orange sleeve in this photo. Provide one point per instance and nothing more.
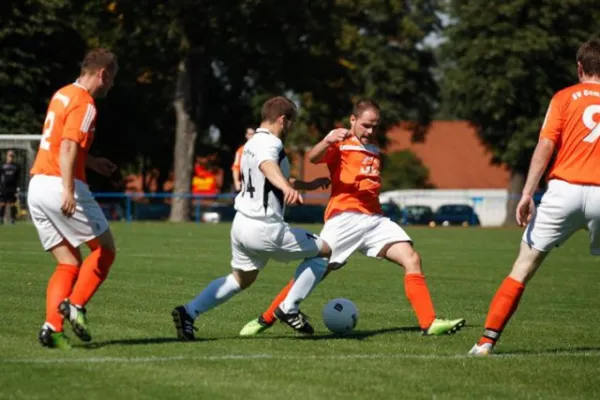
(237, 160)
(553, 122)
(332, 154)
(78, 122)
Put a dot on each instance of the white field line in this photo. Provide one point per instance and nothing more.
(277, 357)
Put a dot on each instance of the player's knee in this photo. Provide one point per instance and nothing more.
(404, 254)
(245, 278)
(527, 263)
(325, 250)
(412, 263)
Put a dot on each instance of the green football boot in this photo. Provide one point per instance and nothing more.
(255, 327)
(53, 340)
(444, 327)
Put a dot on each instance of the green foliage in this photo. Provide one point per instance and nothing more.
(324, 54)
(403, 170)
(504, 60)
(33, 60)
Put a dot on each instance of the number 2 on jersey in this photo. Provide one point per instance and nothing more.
(590, 123)
(247, 186)
(48, 124)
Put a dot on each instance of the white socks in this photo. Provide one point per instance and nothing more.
(217, 292)
(308, 274)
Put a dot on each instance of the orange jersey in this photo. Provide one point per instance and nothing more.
(573, 124)
(71, 115)
(355, 180)
(238, 159)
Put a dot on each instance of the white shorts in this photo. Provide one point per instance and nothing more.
(348, 232)
(565, 208)
(255, 242)
(44, 198)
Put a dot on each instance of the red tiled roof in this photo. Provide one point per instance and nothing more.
(454, 154)
(451, 150)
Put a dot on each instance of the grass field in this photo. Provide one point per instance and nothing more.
(551, 348)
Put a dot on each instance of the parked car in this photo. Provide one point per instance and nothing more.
(416, 215)
(455, 214)
(392, 211)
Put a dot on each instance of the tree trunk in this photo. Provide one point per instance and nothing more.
(515, 187)
(185, 140)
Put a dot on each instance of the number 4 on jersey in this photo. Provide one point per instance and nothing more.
(588, 121)
(247, 186)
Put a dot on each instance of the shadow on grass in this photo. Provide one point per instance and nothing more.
(138, 342)
(354, 335)
(363, 334)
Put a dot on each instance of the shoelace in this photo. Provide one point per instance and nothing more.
(188, 327)
(299, 320)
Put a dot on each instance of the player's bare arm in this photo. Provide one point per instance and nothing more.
(237, 183)
(539, 162)
(318, 183)
(68, 155)
(272, 172)
(101, 165)
(316, 154)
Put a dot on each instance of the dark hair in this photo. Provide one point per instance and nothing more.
(363, 105)
(275, 107)
(589, 57)
(97, 59)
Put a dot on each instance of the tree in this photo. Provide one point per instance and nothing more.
(403, 170)
(33, 60)
(503, 61)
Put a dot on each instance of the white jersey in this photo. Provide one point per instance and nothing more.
(259, 198)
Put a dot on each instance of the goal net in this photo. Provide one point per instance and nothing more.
(25, 148)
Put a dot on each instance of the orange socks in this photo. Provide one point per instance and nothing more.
(420, 299)
(416, 291)
(503, 305)
(94, 271)
(269, 315)
(60, 286)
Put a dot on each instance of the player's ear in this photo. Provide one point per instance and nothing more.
(580, 71)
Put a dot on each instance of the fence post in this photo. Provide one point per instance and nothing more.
(128, 208)
(197, 212)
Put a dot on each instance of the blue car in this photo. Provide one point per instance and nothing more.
(455, 214)
(417, 215)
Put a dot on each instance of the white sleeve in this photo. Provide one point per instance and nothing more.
(269, 150)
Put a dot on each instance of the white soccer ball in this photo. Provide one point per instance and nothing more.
(340, 316)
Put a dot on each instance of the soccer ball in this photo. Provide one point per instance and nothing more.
(340, 316)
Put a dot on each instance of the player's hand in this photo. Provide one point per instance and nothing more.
(525, 210)
(322, 183)
(337, 135)
(103, 166)
(292, 196)
(68, 203)
(237, 186)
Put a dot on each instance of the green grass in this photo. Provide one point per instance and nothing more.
(551, 348)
